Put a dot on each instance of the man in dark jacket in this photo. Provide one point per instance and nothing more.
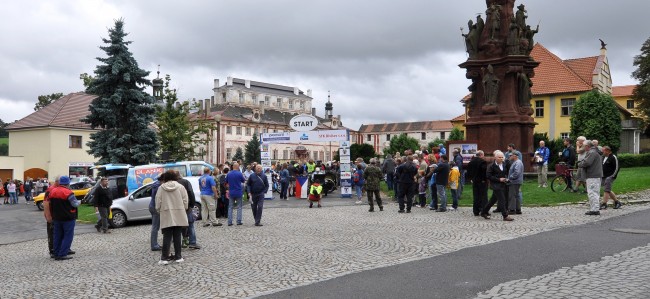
(103, 199)
(63, 213)
(388, 169)
(568, 156)
(442, 178)
(259, 184)
(476, 173)
(496, 174)
(189, 234)
(373, 176)
(405, 173)
(610, 171)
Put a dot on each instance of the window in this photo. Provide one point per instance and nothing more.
(564, 135)
(238, 129)
(442, 135)
(423, 136)
(241, 98)
(369, 137)
(630, 104)
(223, 97)
(254, 99)
(328, 157)
(267, 101)
(229, 154)
(567, 106)
(290, 104)
(265, 130)
(539, 108)
(228, 130)
(248, 131)
(285, 154)
(387, 137)
(302, 104)
(74, 141)
(279, 102)
(275, 154)
(256, 131)
(322, 155)
(292, 155)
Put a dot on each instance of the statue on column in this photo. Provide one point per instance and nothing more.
(494, 16)
(490, 86)
(528, 35)
(523, 89)
(520, 17)
(513, 42)
(471, 40)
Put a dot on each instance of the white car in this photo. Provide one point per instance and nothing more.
(135, 206)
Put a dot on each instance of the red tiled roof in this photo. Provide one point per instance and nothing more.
(622, 91)
(459, 118)
(434, 125)
(554, 76)
(583, 67)
(65, 112)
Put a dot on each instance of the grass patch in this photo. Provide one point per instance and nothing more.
(86, 213)
(628, 180)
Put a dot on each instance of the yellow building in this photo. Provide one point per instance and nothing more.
(52, 141)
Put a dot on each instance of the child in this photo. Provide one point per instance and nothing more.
(315, 193)
(422, 189)
(454, 181)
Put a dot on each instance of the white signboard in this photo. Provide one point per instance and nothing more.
(345, 166)
(345, 144)
(346, 175)
(266, 155)
(344, 160)
(311, 136)
(303, 122)
(344, 152)
(346, 191)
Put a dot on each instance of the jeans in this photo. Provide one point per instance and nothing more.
(454, 197)
(28, 196)
(13, 197)
(63, 234)
(169, 233)
(434, 197)
(208, 209)
(103, 219)
(231, 204)
(284, 187)
(189, 231)
(442, 196)
(257, 204)
(359, 190)
(155, 227)
(389, 181)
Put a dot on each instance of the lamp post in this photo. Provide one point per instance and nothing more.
(217, 119)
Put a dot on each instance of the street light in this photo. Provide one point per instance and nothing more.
(217, 119)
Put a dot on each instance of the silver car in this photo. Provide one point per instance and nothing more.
(135, 206)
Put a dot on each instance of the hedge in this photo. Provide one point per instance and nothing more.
(631, 160)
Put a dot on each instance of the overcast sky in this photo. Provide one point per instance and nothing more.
(383, 61)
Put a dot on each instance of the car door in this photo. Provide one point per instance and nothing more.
(138, 205)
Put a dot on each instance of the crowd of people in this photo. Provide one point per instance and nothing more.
(13, 188)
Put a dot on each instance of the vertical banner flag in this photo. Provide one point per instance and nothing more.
(346, 174)
(266, 169)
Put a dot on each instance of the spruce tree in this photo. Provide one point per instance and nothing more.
(239, 155)
(122, 110)
(252, 151)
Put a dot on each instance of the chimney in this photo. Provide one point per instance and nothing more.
(200, 104)
(216, 83)
(296, 91)
(212, 103)
(309, 93)
(313, 111)
(229, 81)
(247, 83)
(208, 104)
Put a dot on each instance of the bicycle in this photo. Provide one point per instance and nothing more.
(562, 174)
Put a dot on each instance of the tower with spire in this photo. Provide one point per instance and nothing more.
(158, 87)
(328, 107)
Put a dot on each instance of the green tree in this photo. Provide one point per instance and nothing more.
(595, 116)
(3, 132)
(87, 79)
(4, 149)
(401, 143)
(178, 135)
(362, 150)
(456, 134)
(239, 154)
(252, 151)
(641, 93)
(435, 143)
(122, 110)
(45, 100)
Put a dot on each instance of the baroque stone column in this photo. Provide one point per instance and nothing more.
(499, 110)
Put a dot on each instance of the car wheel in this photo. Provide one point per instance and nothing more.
(40, 205)
(118, 220)
(196, 211)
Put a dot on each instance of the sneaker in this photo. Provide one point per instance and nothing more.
(206, 224)
(544, 186)
(617, 205)
(195, 246)
(603, 206)
(452, 209)
(98, 228)
(156, 248)
(593, 213)
(358, 202)
(163, 262)
(180, 260)
(217, 224)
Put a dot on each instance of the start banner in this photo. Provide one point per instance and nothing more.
(309, 136)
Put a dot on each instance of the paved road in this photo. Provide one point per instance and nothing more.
(300, 247)
(512, 265)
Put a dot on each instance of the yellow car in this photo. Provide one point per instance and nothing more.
(79, 189)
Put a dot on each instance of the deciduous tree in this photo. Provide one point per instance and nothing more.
(596, 116)
(641, 93)
(45, 100)
(401, 143)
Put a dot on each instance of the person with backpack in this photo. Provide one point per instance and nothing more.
(358, 181)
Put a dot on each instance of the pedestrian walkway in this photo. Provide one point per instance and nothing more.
(295, 247)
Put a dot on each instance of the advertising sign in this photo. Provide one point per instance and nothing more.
(303, 122)
(311, 136)
(467, 150)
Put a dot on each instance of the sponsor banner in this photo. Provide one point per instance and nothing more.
(345, 144)
(266, 164)
(265, 147)
(344, 159)
(81, 164)
(346, 188)
(345, 167)
(266, 155)
(311, 136)
(344, 152)
(346, 175)
(467, 151)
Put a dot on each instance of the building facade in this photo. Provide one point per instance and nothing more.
(241, 107)
(379, 135)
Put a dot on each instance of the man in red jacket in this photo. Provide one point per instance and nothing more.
(63, 213)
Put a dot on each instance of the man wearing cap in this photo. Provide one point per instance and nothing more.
(63, 211)
(593, 168)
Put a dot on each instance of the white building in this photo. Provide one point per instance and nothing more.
(379, 135)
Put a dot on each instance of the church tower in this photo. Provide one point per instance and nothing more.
(158, 87)
(328, 107)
